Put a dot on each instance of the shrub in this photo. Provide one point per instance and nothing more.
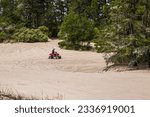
(10, 29)
(44, 30)
(3, 36)
(69, 45)
(6, 31)
(30, 35)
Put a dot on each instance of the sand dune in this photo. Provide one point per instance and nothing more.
(26, 69)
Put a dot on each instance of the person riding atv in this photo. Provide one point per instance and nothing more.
(54, 55)
(53, 50)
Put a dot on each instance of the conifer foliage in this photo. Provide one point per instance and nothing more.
(127, 32)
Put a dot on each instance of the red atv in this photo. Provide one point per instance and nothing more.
(54, 56)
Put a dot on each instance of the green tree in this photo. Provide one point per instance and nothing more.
(49, 13)
(9, 12)
(92, 9)
(76, 30)
(126, 32)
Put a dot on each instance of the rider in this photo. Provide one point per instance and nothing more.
(53, 51)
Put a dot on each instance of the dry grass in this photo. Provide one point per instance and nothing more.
(8, 94)
(11, 95)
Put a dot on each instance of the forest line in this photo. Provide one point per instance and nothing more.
(121, 27)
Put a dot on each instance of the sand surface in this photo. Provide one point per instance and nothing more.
(26, 69)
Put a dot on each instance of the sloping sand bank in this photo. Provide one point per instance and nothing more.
(27, 69)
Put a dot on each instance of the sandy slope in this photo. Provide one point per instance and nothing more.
(26, 69)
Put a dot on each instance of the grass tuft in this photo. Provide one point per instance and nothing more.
(10, 95)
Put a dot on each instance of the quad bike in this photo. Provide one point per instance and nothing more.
(54, 56)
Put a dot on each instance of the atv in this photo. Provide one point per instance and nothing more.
(54, 56)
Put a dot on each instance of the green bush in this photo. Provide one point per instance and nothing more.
(44, 29)
(6, 32)
(3, 36)
(118, 59)
(30, 35)
(10, 29)
(69, 45)
(77, 46)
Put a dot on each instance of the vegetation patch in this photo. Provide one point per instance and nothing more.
(31, 35)
(10, 95)
(76, 31)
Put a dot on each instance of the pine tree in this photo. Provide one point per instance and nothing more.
(126, 32)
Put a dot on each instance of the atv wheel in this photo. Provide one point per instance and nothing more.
(59, 57)
(51, 57)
